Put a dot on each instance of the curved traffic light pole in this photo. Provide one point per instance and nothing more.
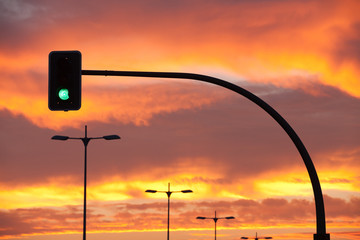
(319, 201)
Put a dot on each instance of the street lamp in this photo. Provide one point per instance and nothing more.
(256, 237)
(215, 220)
(85, 141)
(168, 193)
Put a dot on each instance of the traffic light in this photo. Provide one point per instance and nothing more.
(64, 80)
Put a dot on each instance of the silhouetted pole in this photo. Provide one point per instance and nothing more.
(85, 141)
(215, 220)
(319, 201)
(168, 193)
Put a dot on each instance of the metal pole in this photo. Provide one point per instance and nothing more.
(319, 201)
(85, 141)
(215, 228)
(168, 220)
(215, 220)
(85, 181)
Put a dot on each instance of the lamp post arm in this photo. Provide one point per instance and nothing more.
(167, 193)
(319, 202)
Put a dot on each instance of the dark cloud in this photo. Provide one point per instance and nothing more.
(34, 23)
(337, 208)
(347, 49)
(29, 156)
(233, 134)
(39, 220)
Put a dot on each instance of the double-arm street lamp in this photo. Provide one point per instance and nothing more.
(168, 193)
(85, 141)
(215, 220)
(256, 237)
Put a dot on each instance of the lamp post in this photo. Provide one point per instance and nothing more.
(318, 197)
(168, 193)
(215, 220)
(256, 237)
(85, 141)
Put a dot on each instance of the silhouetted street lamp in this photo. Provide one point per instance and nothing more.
(85, 141)
(215, 220)
(256, 237)
(168, 193)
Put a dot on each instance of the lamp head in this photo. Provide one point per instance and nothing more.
(151, 191)
(58, 137)
(186, 191)
(111, 137)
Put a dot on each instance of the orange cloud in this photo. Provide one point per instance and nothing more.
(265, 44)
(151, 216)
(129, 105)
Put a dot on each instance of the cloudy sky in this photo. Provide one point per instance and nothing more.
(300, 56)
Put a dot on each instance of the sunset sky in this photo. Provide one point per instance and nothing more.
(300, 56)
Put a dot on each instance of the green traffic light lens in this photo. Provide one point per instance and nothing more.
(64, 94)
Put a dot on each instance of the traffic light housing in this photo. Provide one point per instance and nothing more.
(64, 80)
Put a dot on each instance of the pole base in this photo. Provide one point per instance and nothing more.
(325, 236)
